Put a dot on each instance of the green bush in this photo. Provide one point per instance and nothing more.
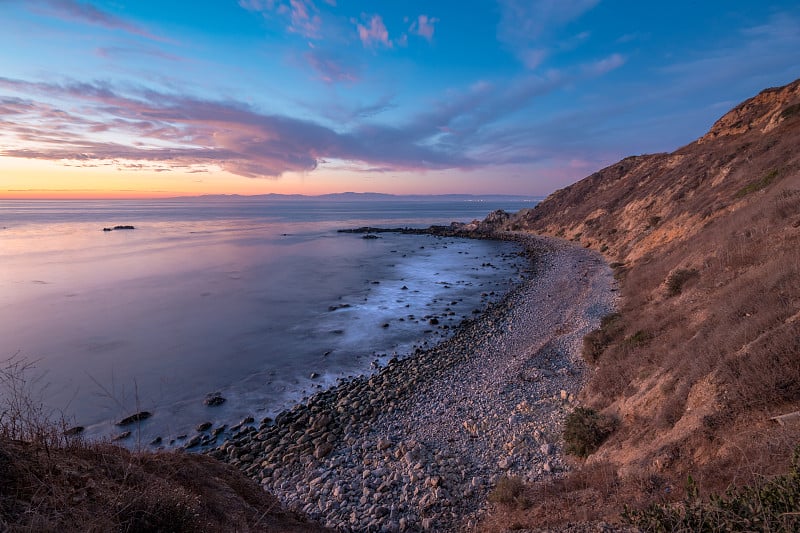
(585, 430)
(677, 279)
(772, 505)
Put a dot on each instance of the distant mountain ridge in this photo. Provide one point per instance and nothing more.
(368, 196)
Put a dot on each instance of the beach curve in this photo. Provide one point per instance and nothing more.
(419, 445)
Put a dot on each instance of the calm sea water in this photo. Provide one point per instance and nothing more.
(261, 301)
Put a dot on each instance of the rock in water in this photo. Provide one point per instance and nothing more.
(214, 399)
(138, 417)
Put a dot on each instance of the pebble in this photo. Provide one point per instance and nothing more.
(419, 444)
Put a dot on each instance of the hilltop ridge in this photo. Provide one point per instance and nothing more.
(703, 355)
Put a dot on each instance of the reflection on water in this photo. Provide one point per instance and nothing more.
(192, 302)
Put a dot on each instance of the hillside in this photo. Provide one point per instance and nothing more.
(705, 242)
(73, 486)
(703, 355)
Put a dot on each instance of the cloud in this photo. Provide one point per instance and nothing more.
(424, 27)
(605, 65)
(305, 19)
(347, 114)
(374, 33)
(87, 13)
(181, 131)
(532, 58)
(759, 51)
(113, 52)
(302, 16)
(526, 27)
(330, 66)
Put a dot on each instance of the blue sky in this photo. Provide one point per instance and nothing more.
(316, 96)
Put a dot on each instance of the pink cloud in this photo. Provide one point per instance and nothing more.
(85, 12)
(304, 19)
(329, 67)
(424, 26)
(177, 131)
(303, 15)
(374, 33)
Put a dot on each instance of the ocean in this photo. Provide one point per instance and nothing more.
(261, 301)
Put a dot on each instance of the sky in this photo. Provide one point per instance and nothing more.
(141, 98)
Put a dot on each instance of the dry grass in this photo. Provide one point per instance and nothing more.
(707, 345)
(51, 482)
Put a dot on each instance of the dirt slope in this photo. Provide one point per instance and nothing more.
(706, 243)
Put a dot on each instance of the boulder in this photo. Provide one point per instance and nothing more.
(138, 417)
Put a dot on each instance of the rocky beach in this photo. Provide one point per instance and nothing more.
(419, 444)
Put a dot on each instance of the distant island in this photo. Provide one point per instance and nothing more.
(119, 227)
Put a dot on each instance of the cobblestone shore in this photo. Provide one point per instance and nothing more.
(418, 445)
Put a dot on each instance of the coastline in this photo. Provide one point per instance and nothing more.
(420, 444)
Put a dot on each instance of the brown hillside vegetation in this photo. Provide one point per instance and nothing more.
(706, 244)
(103, 487)
(50, 481)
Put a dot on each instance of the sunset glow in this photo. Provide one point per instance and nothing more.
(141, 99)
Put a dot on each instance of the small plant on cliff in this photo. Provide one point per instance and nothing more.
(677, 279)
(757, 185)
(791, 111)
(585, 430)
(510, 491)
(23, 415)
(595, 342)
(771, 505)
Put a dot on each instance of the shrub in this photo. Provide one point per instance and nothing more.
(585, 430)
(510, 491)
(677, 279)
(595, 342)
(757, 185)
(168, 509)
(767, 506)
(640, 338)
(791, 111)
(23, 415)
